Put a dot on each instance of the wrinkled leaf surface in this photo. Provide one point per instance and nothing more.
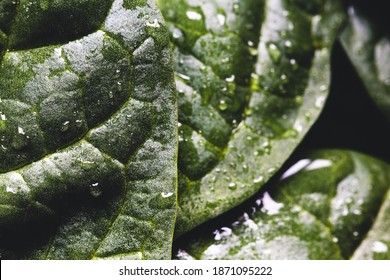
(252, 77)
(329, 205)
(87, 130)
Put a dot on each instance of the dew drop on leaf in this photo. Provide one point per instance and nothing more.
(221, 19)
(20, 140)
(320, 102)
(230, 79)
(222, 105)
(153, 23)
(65, 126)
(166, 195)
(288, 44)
(193, 15)
(236, 8)
(274, 52)
(94, 190)
(379, 247)
(232, 186)
(259, 179)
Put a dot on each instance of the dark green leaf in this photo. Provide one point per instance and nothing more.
(329, 205)
(87, 130)
(252, 77)
(366, 40)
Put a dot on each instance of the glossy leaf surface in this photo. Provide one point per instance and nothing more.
(366, 40)
(329, 205)
(87, 130)
(252, 77)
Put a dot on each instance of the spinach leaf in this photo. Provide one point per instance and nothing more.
(366, 40)
(328, 205)
(87, 130)
(252, 78)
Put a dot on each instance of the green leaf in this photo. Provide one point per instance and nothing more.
(252, 78)
(87, 130)
(328, 205)
(366, 40)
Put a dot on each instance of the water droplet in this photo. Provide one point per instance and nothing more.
(230, 79)
(65, 126)
(153, 23)
(274, 52)
(193, 15)
(319, 103)
(253, 51)
(308, 116)
(271, 170)
(323, 88)
(248, 111)
(20, 140)
(355, 233)
(177, 33)
(290, 133)
(298, 127)
(379, 247)
(299, 100)
(259, 179)
(335, 239)
(316, 30)
(236, 8)
(166, 195)
(223, 105)
(221, 19)
(21, 131)
(294, 64)
(288, 44)
(232, 186)
(211, 204)
(94, 190)
(245, 168)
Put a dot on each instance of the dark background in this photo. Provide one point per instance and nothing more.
(350, 119)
